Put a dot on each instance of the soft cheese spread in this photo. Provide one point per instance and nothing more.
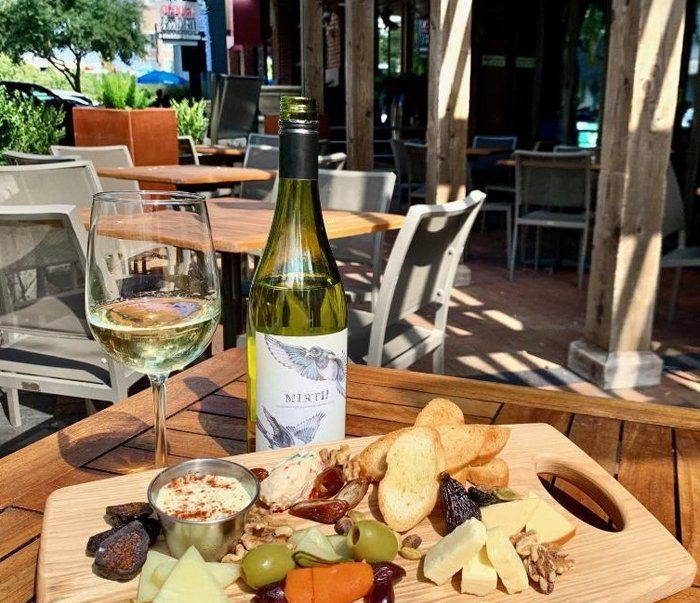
(291, 480)
(202, 497)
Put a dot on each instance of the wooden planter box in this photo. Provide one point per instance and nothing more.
(150, 134)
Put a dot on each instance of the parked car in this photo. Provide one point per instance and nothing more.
(77, 97)
(44, 95)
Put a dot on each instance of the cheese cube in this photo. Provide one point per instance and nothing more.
(506, 561)
(446, 557)
(478, 575)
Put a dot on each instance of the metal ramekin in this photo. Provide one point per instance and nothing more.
(212, 538)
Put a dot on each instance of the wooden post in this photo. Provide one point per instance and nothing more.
(312, 51)
(359, 83)
(449, 67)
(640, 101)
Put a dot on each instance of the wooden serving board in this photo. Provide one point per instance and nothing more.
(642, 562)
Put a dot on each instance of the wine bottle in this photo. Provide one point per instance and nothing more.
(297, 313)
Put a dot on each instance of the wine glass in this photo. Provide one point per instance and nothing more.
(152, 294)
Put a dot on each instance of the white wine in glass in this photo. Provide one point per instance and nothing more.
(152, 293)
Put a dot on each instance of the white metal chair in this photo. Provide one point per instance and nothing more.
(45, 343)
(69, 183)
(358, 191)
(105, 156)
(674, 223)
(552, 190)
(420, 272)
(187, 151)
(334, 161)
(17, 158)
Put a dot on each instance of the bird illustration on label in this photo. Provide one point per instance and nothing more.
(283, 437)
(314, 363)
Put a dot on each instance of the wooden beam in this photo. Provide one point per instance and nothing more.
(640, 101)
(359, 83)
(312, 73)
(449, 72)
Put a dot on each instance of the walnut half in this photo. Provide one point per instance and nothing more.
(543, 562)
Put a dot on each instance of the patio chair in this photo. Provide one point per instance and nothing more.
(552, 190)
(187, 151)
(269, 140)
(674, 223)
(234, 107)
(358, 191)
(334, 161)
(106, 156)
(420, 272)
(17, 158)
(68, 182)
(417, 158)
(262, 157)
(398, 151)
(45, 342)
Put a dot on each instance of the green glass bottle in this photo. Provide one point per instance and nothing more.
(297, 313)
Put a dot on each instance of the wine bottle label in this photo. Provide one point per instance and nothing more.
(300, 389)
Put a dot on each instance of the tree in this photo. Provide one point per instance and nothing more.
(44, 28)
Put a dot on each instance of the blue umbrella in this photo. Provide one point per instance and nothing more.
(162, 77)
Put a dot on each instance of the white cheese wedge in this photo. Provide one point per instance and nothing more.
(511, 516)
(550, 525)
(224, 573)
(446, 557)
(148, 587)
(478, 575)
(191, 581)
(506, 561)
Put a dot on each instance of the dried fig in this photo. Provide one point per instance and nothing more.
(457, 507)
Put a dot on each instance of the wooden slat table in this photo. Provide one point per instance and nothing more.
(187, 177)
(511, 163)
(653, 450)
(218, 150)
(241, 226)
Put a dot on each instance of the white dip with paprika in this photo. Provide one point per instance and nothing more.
(202, 497)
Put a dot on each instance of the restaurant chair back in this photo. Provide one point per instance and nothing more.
(17, 158)
(68, 183)
(362, 192)
(234, 106)
(334, 161)
(420, 273)
(495, 142)
(417, 165)
(269, 140)
(553, 190)
(674, 224)
(187, 151)
(45, 342)
(104, 156)
(262, 157)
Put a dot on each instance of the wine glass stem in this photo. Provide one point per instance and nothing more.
(158, 389)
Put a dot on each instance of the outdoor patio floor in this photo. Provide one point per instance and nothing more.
(516, 332)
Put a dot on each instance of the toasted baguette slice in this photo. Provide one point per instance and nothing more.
(496, 439)
(372, 459)
(461, 443)
(409, 490)
(440, 411)
(493, 474)
(461, 475)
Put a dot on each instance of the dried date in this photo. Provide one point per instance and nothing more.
(322, 511)
(353, 492)
(260, 473)
(327, 483)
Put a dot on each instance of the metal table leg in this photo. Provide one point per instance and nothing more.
(232, 303)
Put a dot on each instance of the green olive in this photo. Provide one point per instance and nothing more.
(372, 541)
(266, 564)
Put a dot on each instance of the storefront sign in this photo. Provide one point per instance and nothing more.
(179, 21)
